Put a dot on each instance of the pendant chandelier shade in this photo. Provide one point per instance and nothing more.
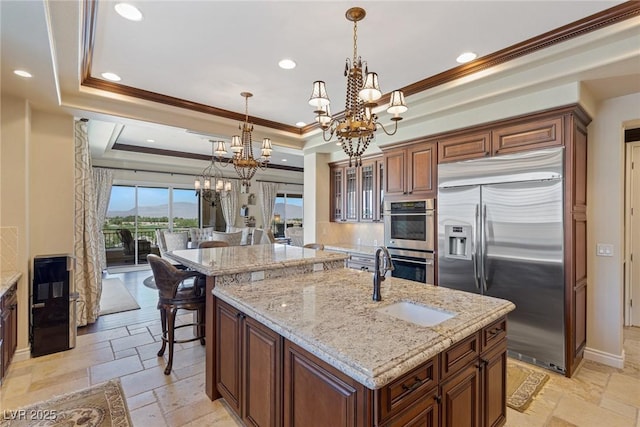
(241, 148)
(356, 128)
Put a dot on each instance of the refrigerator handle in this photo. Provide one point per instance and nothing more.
(483, 273)
(474, 254)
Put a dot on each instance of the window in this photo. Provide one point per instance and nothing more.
(142, 210)
(288, 212)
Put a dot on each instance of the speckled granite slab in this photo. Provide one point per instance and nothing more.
(243, 259)
(354, 249)
(331, 314)
(7, 279)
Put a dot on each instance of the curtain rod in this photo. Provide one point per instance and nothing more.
(186, 174)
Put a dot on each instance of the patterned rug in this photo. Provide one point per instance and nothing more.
(522, 385)
(98, 406)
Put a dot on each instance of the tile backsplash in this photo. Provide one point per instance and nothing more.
(8, 248)
(368, 234)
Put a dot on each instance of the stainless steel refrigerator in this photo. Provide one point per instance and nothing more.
(500, 233)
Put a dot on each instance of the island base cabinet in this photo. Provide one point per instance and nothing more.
(249, 367)
(461, 399)
(423, 413)
(494, 386)
(318, 395)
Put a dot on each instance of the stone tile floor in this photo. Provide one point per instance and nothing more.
(125, 344)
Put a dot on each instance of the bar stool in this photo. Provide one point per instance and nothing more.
(173, 295)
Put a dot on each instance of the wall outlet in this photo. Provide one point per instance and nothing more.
(604, 249)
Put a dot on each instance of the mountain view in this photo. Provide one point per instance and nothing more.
(180, 210)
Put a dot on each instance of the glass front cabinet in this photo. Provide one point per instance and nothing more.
(356, 193)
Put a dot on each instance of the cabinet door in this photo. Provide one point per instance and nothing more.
(261, 369)
(351, 194)
(527, 136)
(228, 361)
(494, 386)
(318, 395)
(368, 193)
(337, 195)
(422, 414)
(394, 166)
(421, 173)
(461, 399)
(465, 147)
(381, 174)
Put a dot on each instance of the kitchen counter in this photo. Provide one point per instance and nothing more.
(331, 314)
(7, 279)
(243, 259)
(352, 249)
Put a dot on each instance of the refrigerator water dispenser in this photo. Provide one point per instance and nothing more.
(458, 241)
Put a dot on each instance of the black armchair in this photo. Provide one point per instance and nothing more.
(128, 244)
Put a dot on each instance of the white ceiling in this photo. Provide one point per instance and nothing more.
(210, 51)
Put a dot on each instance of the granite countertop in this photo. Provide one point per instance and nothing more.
(7, 279)
(241, 259)
(355, 249)
(332, 315)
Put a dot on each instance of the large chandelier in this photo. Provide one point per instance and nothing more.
(242, 152)
(357, 126)
(211, 183)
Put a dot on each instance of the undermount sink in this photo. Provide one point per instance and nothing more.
(415, 313)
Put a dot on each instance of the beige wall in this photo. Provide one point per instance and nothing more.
(14, 178)
(36, 184)
(316, 196)
(605, 215)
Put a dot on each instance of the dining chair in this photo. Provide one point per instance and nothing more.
(173, 295)
(296, 234)
(256, 237)
(212, 244)
(318, 246)
(233, 238)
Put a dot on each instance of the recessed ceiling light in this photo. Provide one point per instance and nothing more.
(466, 57)
(151, 140)
(128, 11)
(111, 76)
(300, 124)
(284, 160)
(22, 73)
(287, 64)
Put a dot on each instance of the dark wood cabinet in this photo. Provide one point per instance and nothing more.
(472, 145)
(527, 135)
(494, 385)
(262, 375)
(249, 367)
(316, 394)
(8, 328)
(410, 171)
(461, 398)
(356, 193)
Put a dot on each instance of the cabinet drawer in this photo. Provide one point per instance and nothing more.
(527, 136)
(494, 333)
(460, 355)
(401, 393)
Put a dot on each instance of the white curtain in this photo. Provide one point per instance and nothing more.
(87, 273)
(102, 180)
(267, 193)
(229, 204)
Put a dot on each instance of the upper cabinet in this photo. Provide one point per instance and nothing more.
(410, 171)
(518, 135)
(356, 193)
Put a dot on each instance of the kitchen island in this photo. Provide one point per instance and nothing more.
(314, 349)
(246, 264)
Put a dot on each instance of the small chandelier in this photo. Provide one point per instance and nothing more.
(356, 128)
(211, 183)
(243, 161)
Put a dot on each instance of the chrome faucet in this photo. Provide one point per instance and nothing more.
(378, 275)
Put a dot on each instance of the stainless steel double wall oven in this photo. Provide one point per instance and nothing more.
(409, 236)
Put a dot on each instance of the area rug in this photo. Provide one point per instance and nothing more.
(522, 385)
(115, 297)
(98, 406)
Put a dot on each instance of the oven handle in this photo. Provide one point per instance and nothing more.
(427, 213)
(411, 261)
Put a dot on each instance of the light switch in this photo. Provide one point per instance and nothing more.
(603, 249)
